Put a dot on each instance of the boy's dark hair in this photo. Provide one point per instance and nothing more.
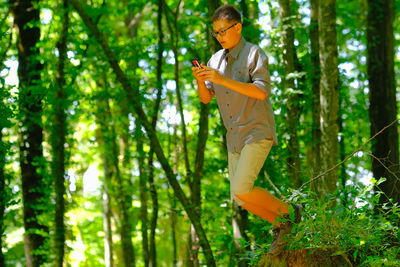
(228, 12)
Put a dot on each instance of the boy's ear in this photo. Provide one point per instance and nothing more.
(239, 27)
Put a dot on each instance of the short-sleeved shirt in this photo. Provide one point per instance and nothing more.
(246, 119)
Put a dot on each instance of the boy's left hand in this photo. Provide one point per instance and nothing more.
(211, 75)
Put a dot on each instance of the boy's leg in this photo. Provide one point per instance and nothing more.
(247, 166)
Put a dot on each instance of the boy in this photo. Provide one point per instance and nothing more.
(238, 76)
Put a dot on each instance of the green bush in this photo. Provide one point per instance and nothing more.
(352, 221)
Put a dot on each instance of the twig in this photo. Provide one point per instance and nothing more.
(348, 157)
(273, 186)
(392, 173)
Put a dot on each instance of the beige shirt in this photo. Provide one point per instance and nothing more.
(246, 119)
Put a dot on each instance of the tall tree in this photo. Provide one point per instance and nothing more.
(153, 191)
(293, 107)
(4, 123)
(329, 95)
(102, 137)
(58, 140)
(3, 193)
(382, 96)
(5, 116)
(315, 84)
(31, 93)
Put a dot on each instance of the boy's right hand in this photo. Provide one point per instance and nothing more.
(197, 71)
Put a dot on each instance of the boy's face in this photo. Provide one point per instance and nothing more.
(228, 38)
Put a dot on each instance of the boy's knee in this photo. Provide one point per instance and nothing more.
(241, 188)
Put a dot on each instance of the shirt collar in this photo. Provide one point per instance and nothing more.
(236, 50)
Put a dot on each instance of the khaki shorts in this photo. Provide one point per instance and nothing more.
(245, 166)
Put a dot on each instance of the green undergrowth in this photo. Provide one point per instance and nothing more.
(351, 221)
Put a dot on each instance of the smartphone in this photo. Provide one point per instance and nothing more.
(196, 63)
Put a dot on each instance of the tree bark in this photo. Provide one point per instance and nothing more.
(5, 115)
(132, 95)
(293, 106)
(107, 227)
(329, 95)
(315, 79)
(153, 190)
(3, 193)
(58, 141)
(382, 96)
(143, 194)
(34, 185)
(102, 132)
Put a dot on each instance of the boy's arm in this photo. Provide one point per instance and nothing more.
(205, 95)
(248, 89)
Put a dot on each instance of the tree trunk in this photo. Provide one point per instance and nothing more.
(315, 79)
(58, 141)
(143, 194)
(5, 115)
(382, 96)
(153, 190)
(101, 138)
(132, 95)
(329, 95)
(3, 194)
(34, 185)
(293, 107)
(108, 240)
(173, 212)
(240, 224)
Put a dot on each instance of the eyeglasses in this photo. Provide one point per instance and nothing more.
(222, 32)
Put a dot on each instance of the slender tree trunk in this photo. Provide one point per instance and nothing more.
(293, 109)
(3, 193)
(153, 190)
(143, 194)
(58, 141)
(240, 224)
(107, 214)
(101, 138)
(382, 96)
(174, 216)
(329, 95)
(34, 185)
(315, 78)
(5, 115)
(132, 95)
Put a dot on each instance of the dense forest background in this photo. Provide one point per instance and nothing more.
(108, 157)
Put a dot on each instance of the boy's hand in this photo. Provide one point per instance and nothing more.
(207, 74)
(197, 71)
